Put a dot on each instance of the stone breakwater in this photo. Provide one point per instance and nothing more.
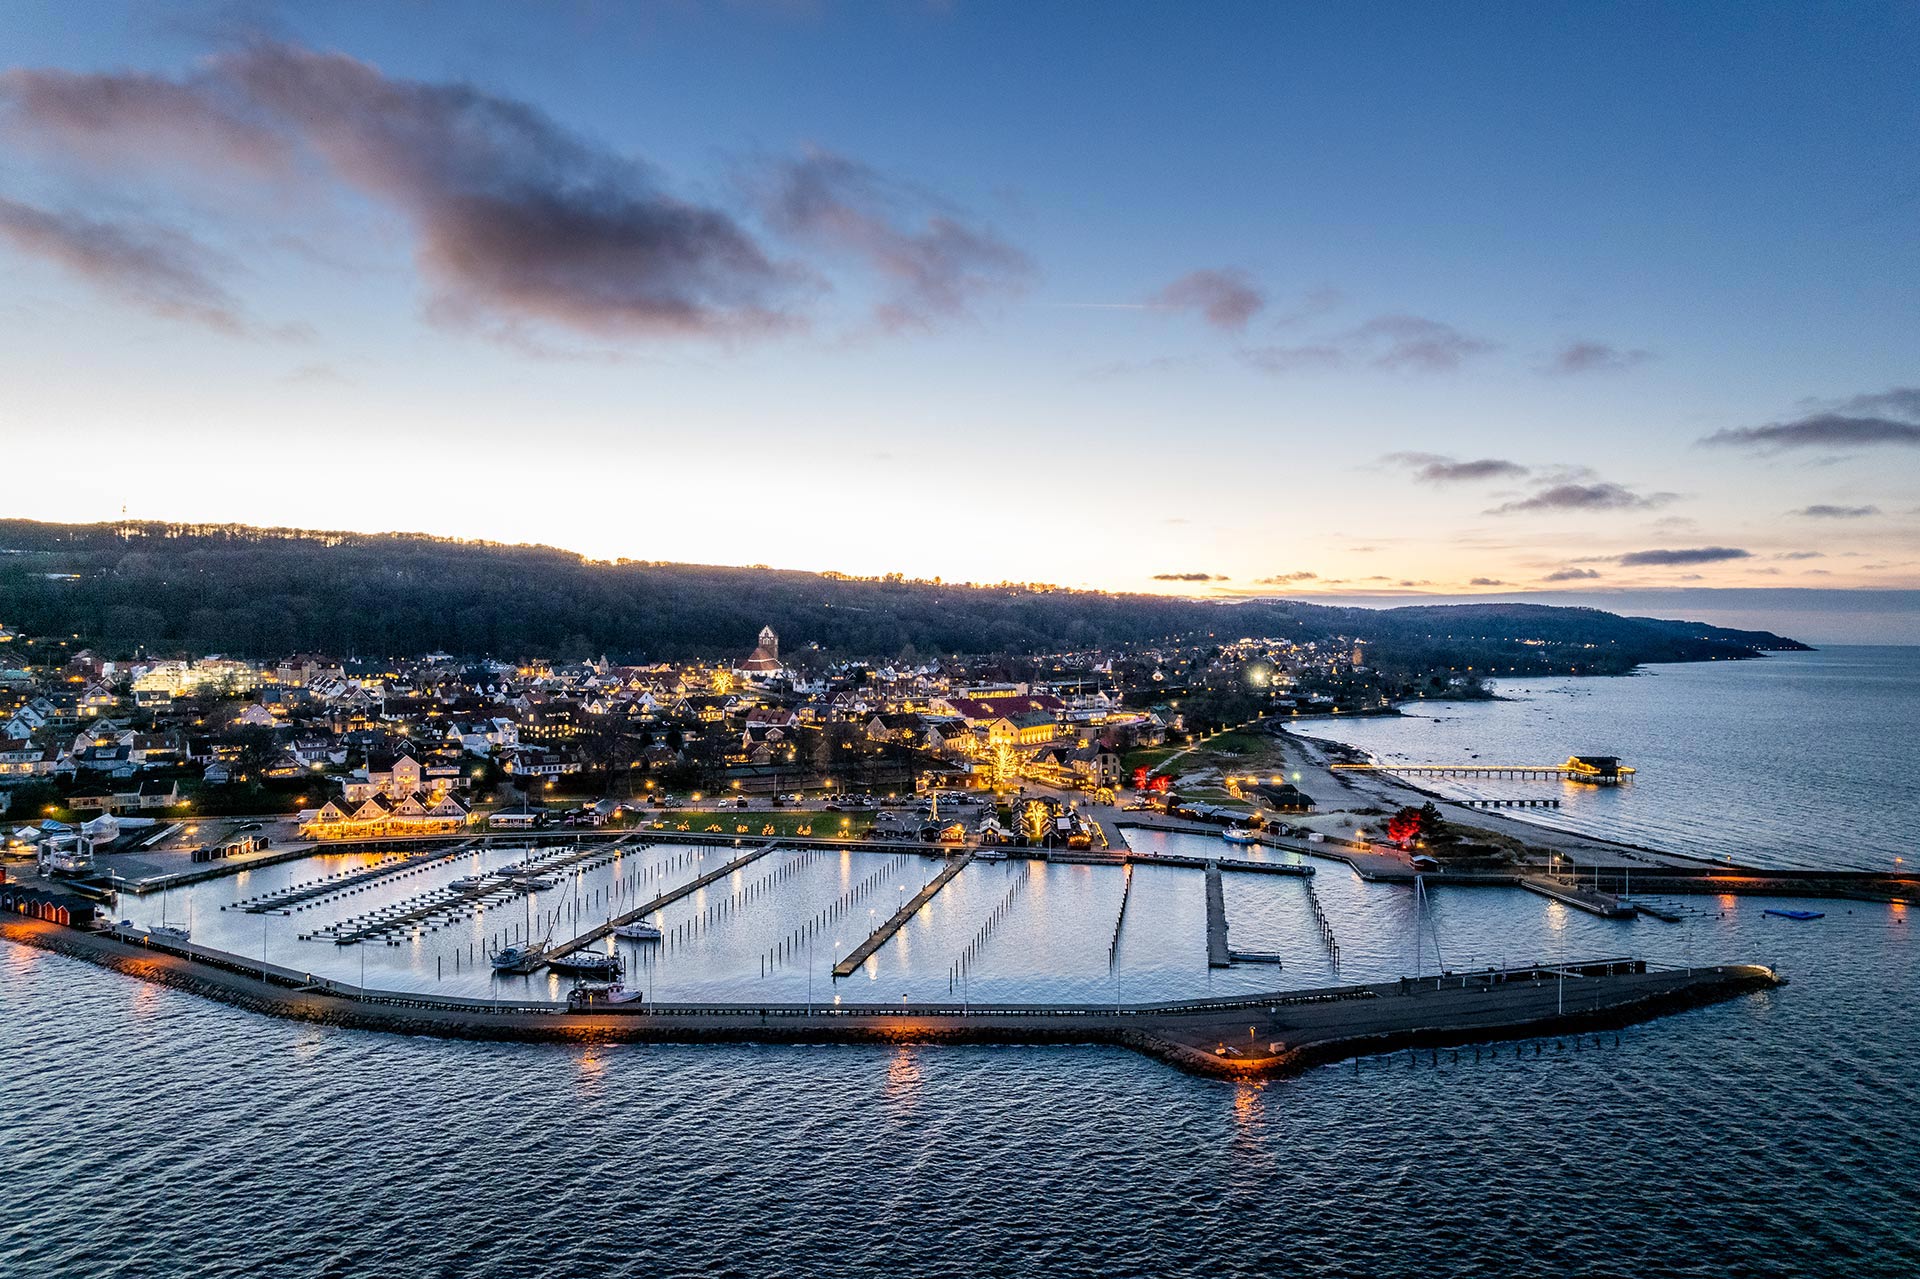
(1254, 1037)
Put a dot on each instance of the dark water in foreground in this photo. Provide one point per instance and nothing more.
(148, 1132)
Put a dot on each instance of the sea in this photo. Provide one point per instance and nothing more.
(148, 1132)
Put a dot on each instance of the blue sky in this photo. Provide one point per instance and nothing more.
(1343, 300)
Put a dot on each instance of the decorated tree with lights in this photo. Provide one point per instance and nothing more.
(1005, 766)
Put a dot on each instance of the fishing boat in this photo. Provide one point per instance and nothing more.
(1239, 835)
(1796, 914)
(587, 963)
(637, 931)
(587, 993)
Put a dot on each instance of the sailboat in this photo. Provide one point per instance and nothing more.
(165, 930)
(526, 956)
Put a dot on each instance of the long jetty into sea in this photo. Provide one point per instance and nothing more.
(1240, 1037)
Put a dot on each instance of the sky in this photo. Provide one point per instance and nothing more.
(1613, 305)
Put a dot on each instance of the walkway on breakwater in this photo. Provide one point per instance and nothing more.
(1240, 1037)
(859, 954)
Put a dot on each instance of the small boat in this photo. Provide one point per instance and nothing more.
(472, 882)
(637, 931)
(587, 993)
(533, 883)
(1239, 835)
(516, 959)
(167, 932)
(587, 963)
(1796, 914)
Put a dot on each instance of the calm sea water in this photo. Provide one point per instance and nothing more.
(148, 1132)
(1796, 759)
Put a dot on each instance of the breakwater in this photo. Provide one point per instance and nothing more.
(1236, 1037)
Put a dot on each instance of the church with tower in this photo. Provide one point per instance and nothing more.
(764, 664)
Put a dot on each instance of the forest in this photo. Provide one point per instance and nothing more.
(175, 588)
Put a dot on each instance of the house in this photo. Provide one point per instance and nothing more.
(383, 815)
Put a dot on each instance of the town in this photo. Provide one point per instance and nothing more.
(101, 753)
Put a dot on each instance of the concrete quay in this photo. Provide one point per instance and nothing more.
(1249, 1037)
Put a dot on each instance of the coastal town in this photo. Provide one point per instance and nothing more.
(101, 754)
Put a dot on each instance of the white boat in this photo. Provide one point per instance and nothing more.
(1239, 835)
(471, 882)
(587, 993)
(637, 931)
(587, 963)
(166, 932)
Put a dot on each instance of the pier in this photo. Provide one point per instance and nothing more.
(860, 953)
(1599, 770)
(1242, 1037)
(1218, 956)
(661, 902)
(1594, 903)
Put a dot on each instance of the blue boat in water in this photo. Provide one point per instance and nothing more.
(1796, 914)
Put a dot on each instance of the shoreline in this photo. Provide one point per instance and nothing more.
(1302, 1028)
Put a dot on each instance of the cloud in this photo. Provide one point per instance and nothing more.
(1190, 577)
(1801, 555)
(1285, 579)
(1602, 496)
(1486, 581)
(1291, 359)
(935, 264)
(1886, 417)
(1594, 357)
(1825, 512)
(1226, 298)
(1412, 343)
(513, 217)
(155, 268)
(1572, 575)
(1434, 468)
(1693, 555)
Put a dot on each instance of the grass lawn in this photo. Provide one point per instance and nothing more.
(1145, 757)
(757, 824)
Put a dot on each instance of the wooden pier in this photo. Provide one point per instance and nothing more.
(661, 902)
(860, 953)
(1218, 956)
(1600, 770)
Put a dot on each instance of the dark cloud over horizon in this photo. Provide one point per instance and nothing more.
(1600, 496)
(1690, 555)
(1191, 577)
(1436, 468)
(1823, 511)
(1572, 575)
(1885, 417)
(513, 217)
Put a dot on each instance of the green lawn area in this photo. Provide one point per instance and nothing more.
(1145, 757)
(756, 823)
(1237, 744)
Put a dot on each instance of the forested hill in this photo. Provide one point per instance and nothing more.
(268, 592)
